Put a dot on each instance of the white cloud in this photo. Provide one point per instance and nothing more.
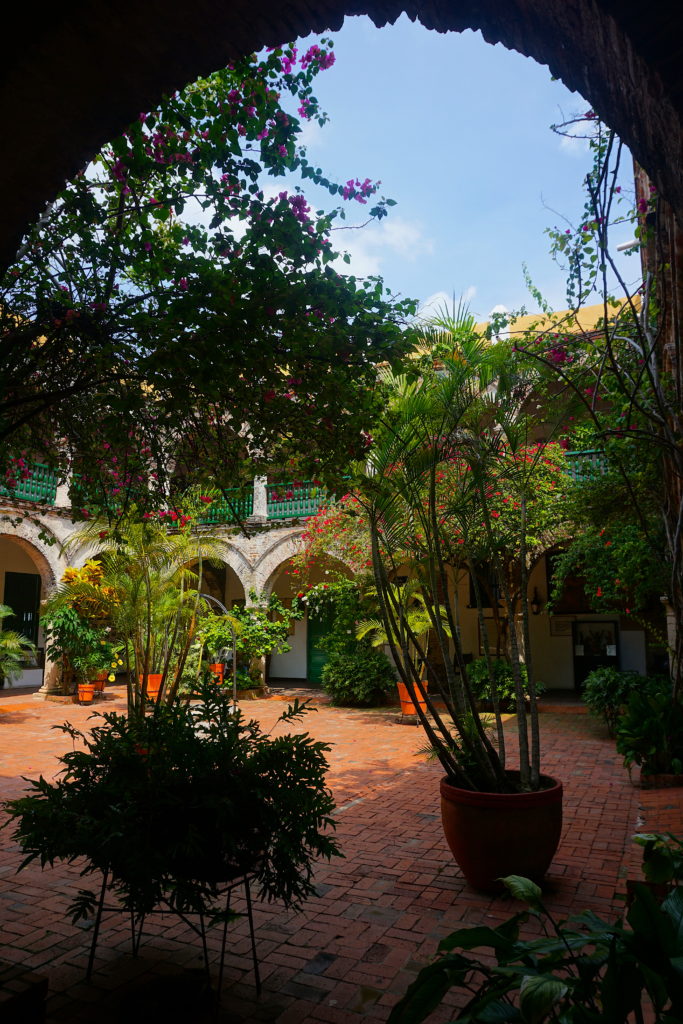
(312, 135)
(369, 247)
(439, 301)
(573, 142)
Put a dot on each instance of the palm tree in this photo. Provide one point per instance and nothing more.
(14, 649)
(427, 492)
(155, 604)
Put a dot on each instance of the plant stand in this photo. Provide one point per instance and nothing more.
(136, 925)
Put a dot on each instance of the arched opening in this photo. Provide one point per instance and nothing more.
(304, 662)
(26, 579)
(627, 73)
(220, 581)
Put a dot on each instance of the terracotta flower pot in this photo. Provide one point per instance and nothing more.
(217, 670)
(153, 684)
(492, 835)
(99, 681)
(407, 705)
(86, 692)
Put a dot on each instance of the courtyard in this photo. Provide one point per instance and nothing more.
(379, 913)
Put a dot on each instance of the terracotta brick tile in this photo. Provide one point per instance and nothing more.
(380, 913)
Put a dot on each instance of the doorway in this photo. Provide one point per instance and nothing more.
(596, 644)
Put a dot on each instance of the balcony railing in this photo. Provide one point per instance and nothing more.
(40, 486)
(292, 501)
(588, 465)
(238, 507)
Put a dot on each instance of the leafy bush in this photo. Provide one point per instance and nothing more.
(173, 801)
(503, 680)
(358, 678)
(580, 971)
(650, 732)
(605, 692)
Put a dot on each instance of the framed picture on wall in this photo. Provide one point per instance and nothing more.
(560, 626)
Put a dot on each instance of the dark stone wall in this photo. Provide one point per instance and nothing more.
(73, 75)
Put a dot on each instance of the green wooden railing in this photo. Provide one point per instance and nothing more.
(291, 501)
(238, 507)
(40, 486)
(586, 465)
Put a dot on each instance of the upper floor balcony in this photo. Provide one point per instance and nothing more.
(262, 503)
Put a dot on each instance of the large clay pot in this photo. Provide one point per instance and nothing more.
(407, 705)
(153, 684)
(492, 835)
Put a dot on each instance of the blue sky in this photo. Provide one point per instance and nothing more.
(458, 132)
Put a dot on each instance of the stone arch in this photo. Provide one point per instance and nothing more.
(47, 557)
(271, 562)
(625, 65)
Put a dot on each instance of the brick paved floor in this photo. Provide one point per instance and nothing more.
(380, 911)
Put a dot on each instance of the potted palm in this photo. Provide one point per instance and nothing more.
(151, 567)
(455, 488)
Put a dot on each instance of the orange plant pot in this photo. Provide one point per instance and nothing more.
(99, 681)
(217, 671)
(86, 692)
(153, 684)
(407, 705)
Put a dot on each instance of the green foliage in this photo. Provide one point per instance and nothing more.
(257, 633)
(171, 803)
(581, 971)
(75, 640)
(166, 285)
(454, 481)
(606, 691)
(624, 572)
(15, 649)
(503, 681)
(154, 606)
(360, 677)
(340, 603)
(650, 732)
(662, 857)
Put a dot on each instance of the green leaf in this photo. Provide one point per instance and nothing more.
(427, 991)
(471, 938)
(525, 890)
(537, 996)
(673, 908)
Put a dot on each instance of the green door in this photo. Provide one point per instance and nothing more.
(22, 594)
(318, 627)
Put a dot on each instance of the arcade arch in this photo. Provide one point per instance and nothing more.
(625, 66)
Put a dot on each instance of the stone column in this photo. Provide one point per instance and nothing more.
(260, 510)
(52, 680)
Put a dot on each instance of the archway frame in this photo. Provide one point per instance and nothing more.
(623, 63)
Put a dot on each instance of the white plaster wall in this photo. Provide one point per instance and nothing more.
(292, 665)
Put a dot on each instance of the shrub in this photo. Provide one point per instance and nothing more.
(605, 692)
(358, 678)
(170, 803)
(650, 732)
(503, 680)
